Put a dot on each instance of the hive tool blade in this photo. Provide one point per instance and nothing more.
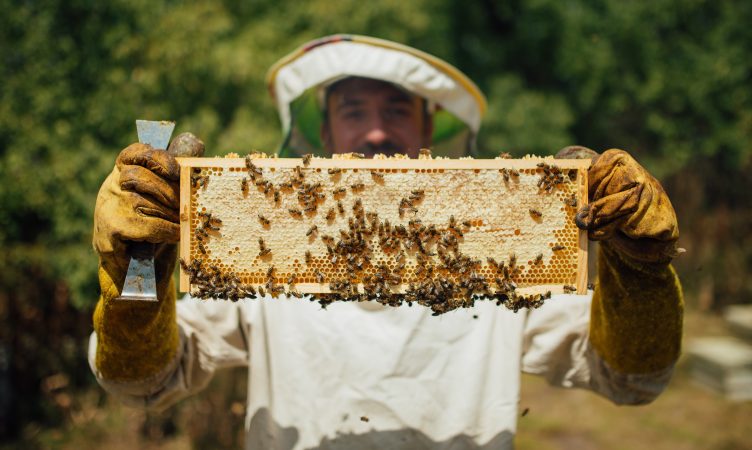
(141, 281)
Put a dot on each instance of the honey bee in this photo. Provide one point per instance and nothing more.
(308, 257)
(571, 201)
(426, 152)
(270, 272)
(255, 170)
(199, 180)
(505, 155)
(277, 197)
(261, 291)
(320, 277)
(335, 171)
(312, 230)
(201, 247)
(339, 191)
(331, 215)
(512, 260)
(377, 176)
(357, 187)
(244, 185)
(341, 208)
(295, 213)
(569, 288)
(307, 159)
(299, 176)
(264, 221)
(467, 224)
(557, 247)
(201, 233)
(535, 213)
(538, 259)
(310, 208)
(263, 250)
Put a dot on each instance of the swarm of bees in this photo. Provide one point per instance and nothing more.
(212, 282)
(443, 278)
(551, 177)
(207, 224)
(449, 283)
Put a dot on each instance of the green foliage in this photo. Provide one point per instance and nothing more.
(668, 80)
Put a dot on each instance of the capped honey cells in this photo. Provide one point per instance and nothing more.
(440, 233)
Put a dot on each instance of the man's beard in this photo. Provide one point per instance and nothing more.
(388, 148)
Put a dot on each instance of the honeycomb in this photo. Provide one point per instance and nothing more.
(381, 226)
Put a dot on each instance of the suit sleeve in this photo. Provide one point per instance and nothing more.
(212, 335)
(621, 341)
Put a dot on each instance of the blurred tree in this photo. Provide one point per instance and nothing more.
(668, 80)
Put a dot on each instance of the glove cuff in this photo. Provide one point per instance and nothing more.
(636, 315)
(136, 340)
(643, 251)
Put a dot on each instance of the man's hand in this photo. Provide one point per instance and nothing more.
(138, 201)
(629, 209)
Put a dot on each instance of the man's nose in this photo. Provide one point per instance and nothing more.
(376, 134)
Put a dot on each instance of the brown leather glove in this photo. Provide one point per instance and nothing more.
(636, 314)
(629, 209)
(138, 201)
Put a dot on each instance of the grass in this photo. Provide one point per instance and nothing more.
(685, 416)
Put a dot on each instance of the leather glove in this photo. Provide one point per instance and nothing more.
(629, 209)
(637, 307)
(138, 201)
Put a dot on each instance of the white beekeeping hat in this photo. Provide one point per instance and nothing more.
(297, 81)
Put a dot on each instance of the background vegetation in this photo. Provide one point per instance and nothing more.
(668, 80)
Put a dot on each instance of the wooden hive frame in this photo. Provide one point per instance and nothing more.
(504, 209)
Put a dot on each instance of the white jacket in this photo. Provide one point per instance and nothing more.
(363, 376)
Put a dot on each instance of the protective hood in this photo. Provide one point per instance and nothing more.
(297, 83)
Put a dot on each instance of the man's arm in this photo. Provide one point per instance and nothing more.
(636, 315)
(628, 349)
(138, 202)
(139, 352)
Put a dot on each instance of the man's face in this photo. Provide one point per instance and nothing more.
(370, 116)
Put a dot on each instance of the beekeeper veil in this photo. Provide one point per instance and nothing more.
(298, 84)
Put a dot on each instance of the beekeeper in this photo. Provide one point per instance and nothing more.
(359, 375)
